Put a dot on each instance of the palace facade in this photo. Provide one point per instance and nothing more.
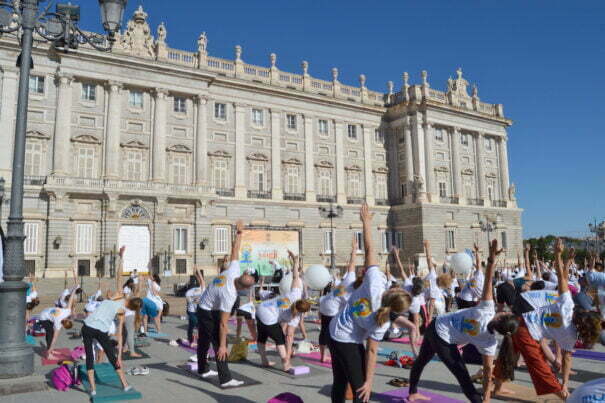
(168, 148)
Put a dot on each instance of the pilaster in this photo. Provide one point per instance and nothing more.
(62, 125)
(456, 175)
(341, 194)
(201, 141)
(369, 175)
(112, 140)
(428, 159)
(419, 153)
(240, 144)
(478, 138)
(276, 189)
(309, 160)
(159, 136)
(8, 113)
(409, 160)
(504, 178)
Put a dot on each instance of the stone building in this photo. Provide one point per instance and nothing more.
(174, 146)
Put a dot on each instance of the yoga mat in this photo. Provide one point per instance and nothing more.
(108, 385)
(404, 340)
(214, 379)
(295, 362)
(400, 395)
(193, 350)
(127, 357)
(315, 359)
(155, 335)
(525, 394)
(60, 354)
(589, 355)
(31, 340)
(141, 343)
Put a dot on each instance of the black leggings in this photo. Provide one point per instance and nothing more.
(348, 367)
(450, 356)
(49, 329)
(208, 325)
(89, 335)
(324, 334)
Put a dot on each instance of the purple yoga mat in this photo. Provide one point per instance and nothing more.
(400, 395)
(314, 358)
(185, 346)
(589, 354)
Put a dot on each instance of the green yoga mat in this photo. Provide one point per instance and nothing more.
(109, 387)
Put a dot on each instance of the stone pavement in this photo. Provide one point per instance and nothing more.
(167, 383)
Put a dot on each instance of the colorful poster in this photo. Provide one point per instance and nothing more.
(261, 247)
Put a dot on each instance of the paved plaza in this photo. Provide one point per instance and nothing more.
(168, 383)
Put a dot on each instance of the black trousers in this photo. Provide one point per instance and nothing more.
(89, 335)
(348, 367)
(324, 334)
(448, 353)
(208, 325)
(49, 329)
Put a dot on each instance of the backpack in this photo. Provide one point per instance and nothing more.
(64, 377)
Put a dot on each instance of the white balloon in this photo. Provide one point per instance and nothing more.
(462, 263)
(593, 391)
(317, 277)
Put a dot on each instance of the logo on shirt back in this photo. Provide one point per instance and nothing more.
(283, 303)
(473, 283)
(470, 327)
(361, 308)
(339, 291)
(219, 281)
(553, 320)
(551, 298)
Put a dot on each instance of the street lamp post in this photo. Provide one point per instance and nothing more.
(331, 212)
(2, 183)
(487, 227)
(59, 27)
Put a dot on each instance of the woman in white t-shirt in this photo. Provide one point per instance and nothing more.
(54, 319)
(472, 325)
(284, 310)
(559, 321)
(331, 303)
(437, 285)
(153, 299)
(363, 319)
(193, 297)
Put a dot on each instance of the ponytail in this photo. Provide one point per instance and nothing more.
(383, 315)
(397, 301)
(507, 357)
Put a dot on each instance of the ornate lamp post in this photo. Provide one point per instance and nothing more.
(331, 212)
(59, 27)
(487, 227)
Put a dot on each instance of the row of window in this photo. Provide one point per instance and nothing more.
(440, 135)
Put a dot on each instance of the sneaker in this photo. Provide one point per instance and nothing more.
(128, 388)
(93, 393)
(208, 374)
(232, 384)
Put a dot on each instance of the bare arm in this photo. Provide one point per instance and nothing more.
(72, 299)
(371, 353)
(427, 253)
(354, 247)
(237, 242)
(395, 252)
(222, 353)
(120, 269)
(296, 281)
(488, 290)
(528, 274)
(366, 220)
(200, 278)
(563, 280)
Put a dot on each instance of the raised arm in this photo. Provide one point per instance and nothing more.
(366, 221)
(237, 242)
(571, 256)
(395, 253)
(200, 278)
(563, 280)
(296, 281)
(528, 273)
(72, 299)
(427, 253)
(477, 257)
(120, 269)
(354, 247)
(488, 289)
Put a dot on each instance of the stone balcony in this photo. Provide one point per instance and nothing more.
(295, 196)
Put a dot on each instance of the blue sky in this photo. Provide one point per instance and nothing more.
(544, 60)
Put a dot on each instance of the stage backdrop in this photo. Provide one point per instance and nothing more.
(260, 246)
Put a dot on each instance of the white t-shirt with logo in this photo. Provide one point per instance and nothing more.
(152, 285)
(220, 294)
(55, 315)
(193, 296)
(554, 322)
(474, 288)
(330, 304)
(469, 326)
(277, 310)
(539, 298)
(357, 320)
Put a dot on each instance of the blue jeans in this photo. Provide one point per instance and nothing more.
(192, 316)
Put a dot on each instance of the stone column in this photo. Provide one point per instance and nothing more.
(159, 136)
(456, 175)
(309, 160)
(341, 193)
(368, 169)
(428, 159)
(409, 161)
(504, 179)
(61, 155)
(201, 141)
(391, 144)
(240, 150)
(479, 161)
(8, 114)
(112, 140)
(419, 160)
(276, 188)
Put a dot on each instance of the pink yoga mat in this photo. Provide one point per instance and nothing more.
(400, 395)
(60, 354)
(405, 340)
(314, 358)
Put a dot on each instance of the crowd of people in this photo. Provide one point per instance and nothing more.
(498, 316)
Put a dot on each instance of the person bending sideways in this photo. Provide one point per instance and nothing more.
(364, 319)
(53, 320)
(558, 321)
(332, 303)
(213, 314)
(282, 310)
(474, 326)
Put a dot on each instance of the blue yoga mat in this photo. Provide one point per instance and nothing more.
(109, 387)
(31, 340)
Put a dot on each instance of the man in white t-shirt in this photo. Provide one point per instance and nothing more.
(213, 314)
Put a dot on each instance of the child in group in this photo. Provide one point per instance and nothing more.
(474, 325)
(282, 310)
(331, 303)
(54, 319)
(192, 296)
(363, 319)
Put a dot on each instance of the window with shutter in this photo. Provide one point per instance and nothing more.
(30, 230)
(84, 239)
(221, 240)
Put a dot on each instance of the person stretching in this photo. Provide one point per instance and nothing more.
(364, 319)
(282, 310)
(213, 314)
(193, 296)
(472, 325)
(54, 319)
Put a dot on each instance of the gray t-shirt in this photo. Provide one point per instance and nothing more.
(102, 318)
